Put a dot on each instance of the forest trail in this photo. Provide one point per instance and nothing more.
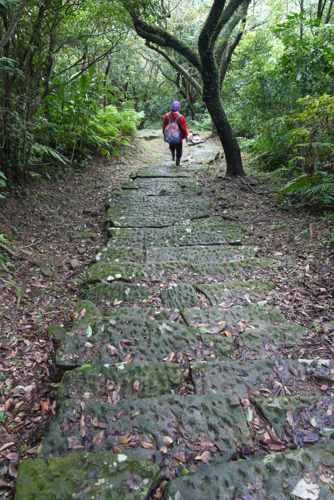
(178, 367)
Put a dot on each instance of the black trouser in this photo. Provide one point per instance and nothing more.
(176, 148)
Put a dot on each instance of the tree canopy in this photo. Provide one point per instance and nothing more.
(78, 76)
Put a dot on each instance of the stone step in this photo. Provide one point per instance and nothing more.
(254, 379)
(108, 271)
(169, 429)
(238, 292)
(87, 476)
(114, 293)
(180, 296)
(208, 231)
(212, 255)
(165, 171)
(111, 384)
(132, 334)
(166, 186)
(157, 211)
(253, 331)
(300, 474)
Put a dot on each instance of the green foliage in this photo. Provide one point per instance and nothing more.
(300, 146)
(3, 183)
(111, 128)
(314, 190)
(280, 96)
(4, 244)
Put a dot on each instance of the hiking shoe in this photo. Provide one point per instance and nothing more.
(177, 163)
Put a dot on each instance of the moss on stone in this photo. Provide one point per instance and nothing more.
(86, 476)
(113, 271)
(179, 296)
(117, 291)
(113, 383)
(293, 474)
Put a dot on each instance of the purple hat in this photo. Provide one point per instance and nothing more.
(175, 106)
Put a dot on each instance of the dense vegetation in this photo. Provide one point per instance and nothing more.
(77, 79)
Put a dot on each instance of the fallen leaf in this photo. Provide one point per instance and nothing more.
(147, 444)
(82, 313)
(45, 404)
(203, 457)
(180, 456)
(98, 438)
(136, 386)
(6, 445)
(168, 441)
(306, 490)
(82, 426)
(74, 443)
(112, 349)
(125, 439)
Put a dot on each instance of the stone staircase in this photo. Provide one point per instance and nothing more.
(180, 375)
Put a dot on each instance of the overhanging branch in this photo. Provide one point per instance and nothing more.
(162, 38)
(180, 69)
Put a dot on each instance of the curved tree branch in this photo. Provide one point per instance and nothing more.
(219, 15)
(180, 69)
(162, 38)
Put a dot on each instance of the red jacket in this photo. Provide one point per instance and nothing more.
(182, 123)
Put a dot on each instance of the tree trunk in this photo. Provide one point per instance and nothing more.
(212, 99)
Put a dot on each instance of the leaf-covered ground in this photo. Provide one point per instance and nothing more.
(56, 230)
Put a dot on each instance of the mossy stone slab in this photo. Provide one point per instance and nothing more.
(113, 383)
(199, 254)
(86, 476)
(208, 231)
(166, 186)
(126, 236)
(167, 428)
(255, 331)
(253, 377)
(129, 184)
(236, 292)
(125, 199)
(207, 318)
(130, 334)
(114, 271)
(179, 296)
(157, 171)
(158, 211)
(320, 369)
(118, 291)
(116, 253)
(300, 474)
(302, 420)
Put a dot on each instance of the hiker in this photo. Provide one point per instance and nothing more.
(175, 130)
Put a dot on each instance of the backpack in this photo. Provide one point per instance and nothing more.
(172, 131)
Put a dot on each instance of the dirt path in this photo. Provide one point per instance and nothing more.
(179, 364)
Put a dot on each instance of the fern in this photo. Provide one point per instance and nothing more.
(3, 183)
(4, 244)
(40, 150)
(316, 189)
